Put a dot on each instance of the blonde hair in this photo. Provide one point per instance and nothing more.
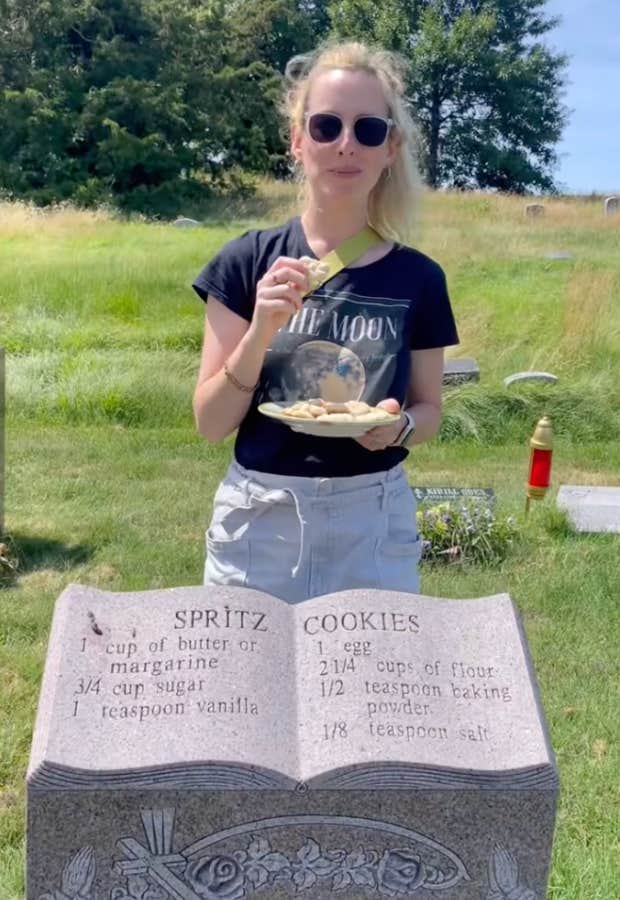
(393, 202)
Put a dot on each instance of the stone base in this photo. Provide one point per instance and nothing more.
(158, 844)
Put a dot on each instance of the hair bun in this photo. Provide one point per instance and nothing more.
(298, 66)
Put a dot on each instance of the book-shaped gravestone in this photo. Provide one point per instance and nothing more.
(209, 743)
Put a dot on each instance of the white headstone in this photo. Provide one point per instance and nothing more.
(591, 508)
(612, 205)
(559, 255)
(182, 222)
(520, 377)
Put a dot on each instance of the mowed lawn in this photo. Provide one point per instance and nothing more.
(108, 484)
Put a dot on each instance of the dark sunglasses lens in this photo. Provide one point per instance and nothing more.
(371, 131)
(324, 128)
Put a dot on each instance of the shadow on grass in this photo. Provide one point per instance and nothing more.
(24, 554)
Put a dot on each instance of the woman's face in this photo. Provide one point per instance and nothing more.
(344, 167)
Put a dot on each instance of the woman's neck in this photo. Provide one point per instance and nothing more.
(327, 227)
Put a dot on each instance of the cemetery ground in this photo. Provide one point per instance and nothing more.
(108, 484)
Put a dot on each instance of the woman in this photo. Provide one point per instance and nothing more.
(298, 516)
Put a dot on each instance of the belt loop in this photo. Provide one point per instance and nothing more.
(385, 493)
(302, 532)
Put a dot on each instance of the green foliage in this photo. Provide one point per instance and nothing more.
(489, 415)
(145, 104)
(486, 92)
(106, 101)
(150, 104)
(465, 534)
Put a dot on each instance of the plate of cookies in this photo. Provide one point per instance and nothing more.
(325, 418)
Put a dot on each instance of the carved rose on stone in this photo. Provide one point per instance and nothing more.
(400, 873)
(217, 878)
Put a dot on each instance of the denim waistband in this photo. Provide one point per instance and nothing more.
(317, 487)
(265, 489)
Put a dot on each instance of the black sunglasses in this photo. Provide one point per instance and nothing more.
(371, 131)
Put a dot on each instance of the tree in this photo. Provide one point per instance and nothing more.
(147, 104)
(486, 91)
(263, 36)
(112, 100)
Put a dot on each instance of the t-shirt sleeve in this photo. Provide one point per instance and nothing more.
(433, 321)
(230, 277)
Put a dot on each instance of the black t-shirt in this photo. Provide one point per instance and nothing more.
(358, 328)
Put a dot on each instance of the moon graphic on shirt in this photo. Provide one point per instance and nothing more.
(323, 369)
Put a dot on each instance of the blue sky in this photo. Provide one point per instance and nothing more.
(590, 149)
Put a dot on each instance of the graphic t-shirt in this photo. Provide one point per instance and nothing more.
(351, 340)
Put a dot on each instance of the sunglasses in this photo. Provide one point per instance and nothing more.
(370, 131)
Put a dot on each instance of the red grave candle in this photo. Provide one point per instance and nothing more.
(541, 444)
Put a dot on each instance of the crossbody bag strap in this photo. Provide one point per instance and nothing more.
(346, 253)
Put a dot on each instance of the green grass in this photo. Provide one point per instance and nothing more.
(107, 483)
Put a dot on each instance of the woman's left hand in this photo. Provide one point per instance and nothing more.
(383, 435)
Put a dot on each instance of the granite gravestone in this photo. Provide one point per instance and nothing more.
(593, 509)
(459, 495)
(457, 371)
(612, 205)
(209, 743)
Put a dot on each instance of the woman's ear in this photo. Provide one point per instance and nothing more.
(296, 143)
(393, 149)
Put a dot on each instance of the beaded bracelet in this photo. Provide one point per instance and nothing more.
(238, 384)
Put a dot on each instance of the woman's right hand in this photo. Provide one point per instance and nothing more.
(279, 296)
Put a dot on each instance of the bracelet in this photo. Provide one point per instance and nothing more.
(237, 383)
(396, 441)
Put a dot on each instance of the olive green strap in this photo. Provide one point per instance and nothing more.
(346, 253)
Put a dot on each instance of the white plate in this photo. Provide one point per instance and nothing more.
(325, 428)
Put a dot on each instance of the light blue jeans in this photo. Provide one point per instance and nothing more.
(298, 538)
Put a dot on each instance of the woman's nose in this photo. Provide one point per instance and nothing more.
(347, 140)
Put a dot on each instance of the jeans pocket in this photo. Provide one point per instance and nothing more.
(228, 549)
(227, 561)
(398, 565)
(398, 551)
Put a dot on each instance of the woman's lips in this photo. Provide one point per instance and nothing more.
(348, 172)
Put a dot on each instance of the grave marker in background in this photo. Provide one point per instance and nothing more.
(458, 371)
(534, 210)
(519, 377)
(182, 222)
(591, 508)
(436, 495)
(559, 255)
(612, 205)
